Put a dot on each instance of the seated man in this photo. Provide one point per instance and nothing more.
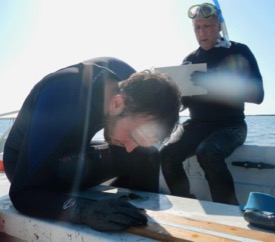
(217, 121)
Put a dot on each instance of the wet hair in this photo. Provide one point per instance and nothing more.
(154, 94)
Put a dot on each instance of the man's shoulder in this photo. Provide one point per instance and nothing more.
(190, 56)
(67, 71)
(242, 49)
(60, 76)
(238, 45)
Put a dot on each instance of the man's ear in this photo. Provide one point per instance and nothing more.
(116, 105)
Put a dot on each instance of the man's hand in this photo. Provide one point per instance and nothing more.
(106, 215)
(201, 79)
(222, 86)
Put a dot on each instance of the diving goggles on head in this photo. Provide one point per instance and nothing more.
(205, 10)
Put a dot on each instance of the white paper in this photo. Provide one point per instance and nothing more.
(181, 75)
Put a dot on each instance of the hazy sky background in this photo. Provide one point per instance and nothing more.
(41, 36)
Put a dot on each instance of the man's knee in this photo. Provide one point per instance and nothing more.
(210, 157)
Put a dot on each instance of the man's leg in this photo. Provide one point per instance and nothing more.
(181, 146)
(211, 155)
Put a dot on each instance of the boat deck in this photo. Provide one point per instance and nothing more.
(170, 218)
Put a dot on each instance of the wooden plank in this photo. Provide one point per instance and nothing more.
(166, 227)
(169, 233)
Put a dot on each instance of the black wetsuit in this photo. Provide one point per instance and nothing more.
(48, 152)
(215, 129)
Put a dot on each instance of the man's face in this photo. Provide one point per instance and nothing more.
(131, 131)
(206, 31)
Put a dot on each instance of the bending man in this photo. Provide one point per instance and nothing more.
(48, 153)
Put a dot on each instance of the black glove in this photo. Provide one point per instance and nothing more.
(106, 215)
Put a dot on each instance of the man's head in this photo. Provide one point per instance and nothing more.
(206, 24)
(144, 111)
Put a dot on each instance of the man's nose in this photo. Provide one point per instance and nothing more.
(201, 32)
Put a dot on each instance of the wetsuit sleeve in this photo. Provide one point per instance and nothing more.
(254, 84)
(56, 113)
(53, 109)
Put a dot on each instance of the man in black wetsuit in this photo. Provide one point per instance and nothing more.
(48, 153)
(217, 121)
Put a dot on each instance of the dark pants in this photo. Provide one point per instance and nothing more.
(211, 143)
(136, 170)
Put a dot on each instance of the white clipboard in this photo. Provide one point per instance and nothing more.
(181, 75)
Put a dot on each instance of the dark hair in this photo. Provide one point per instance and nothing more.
(152, 94)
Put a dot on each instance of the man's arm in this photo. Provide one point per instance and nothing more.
(254, 82)
(35, 188)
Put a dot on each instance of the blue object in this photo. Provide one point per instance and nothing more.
(260, 202)
(259, 210)
(220, 12)
(223, 26)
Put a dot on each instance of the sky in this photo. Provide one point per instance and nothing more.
(38, 37)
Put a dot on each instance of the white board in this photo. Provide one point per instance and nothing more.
(181, 75)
